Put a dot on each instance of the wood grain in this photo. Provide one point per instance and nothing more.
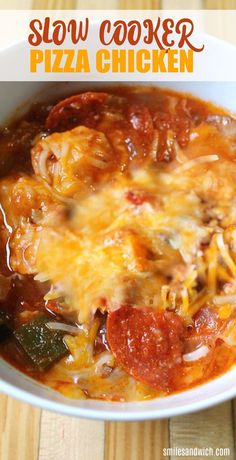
(53, 4)
(139, 4)
(181, 4)
(19, 430)
(210, 428)
(219, 4)
(15, 5)
(234, 421)
(70, 438)
(136, 440)
(74, 4)
(101, 5)
(120, 4)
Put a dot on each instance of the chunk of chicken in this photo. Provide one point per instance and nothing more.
(73, 160)
(25, 199)
(27, 207)
(24, 244)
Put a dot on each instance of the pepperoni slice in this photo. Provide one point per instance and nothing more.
(71, 111)
(147, 344)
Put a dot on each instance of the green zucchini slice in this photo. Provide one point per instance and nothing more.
(42, 345)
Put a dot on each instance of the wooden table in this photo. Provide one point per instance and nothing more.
(27, 433)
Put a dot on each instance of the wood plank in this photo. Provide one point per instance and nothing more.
(74, 4)
(136, 440)
(53, 4)
(198, 4)
(181, 4)
(70, 438)
(209, 428)
(122, 4)
(219, 4)
(234, 419)
(98, 4)
(15, 5)
(19, 430)
(139, 4)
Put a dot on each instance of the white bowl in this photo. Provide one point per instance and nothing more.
(18, 385)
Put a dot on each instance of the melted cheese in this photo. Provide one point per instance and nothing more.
(113, 251)
(147, 236)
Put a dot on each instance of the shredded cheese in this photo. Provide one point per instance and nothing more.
(212, 259)
(197, 161)
(199, 353)
(225, 253)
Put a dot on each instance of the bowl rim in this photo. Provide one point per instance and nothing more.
(119, 415)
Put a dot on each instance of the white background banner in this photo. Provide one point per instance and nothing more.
(135, 46)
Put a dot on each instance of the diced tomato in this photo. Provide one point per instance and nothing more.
(165, 149)
(140, 119)
(162, 121)
(147, 344)
(179, 124)
(207, 321)
(72, 111)
(205, 330)
(53, 307)
(136, 197)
